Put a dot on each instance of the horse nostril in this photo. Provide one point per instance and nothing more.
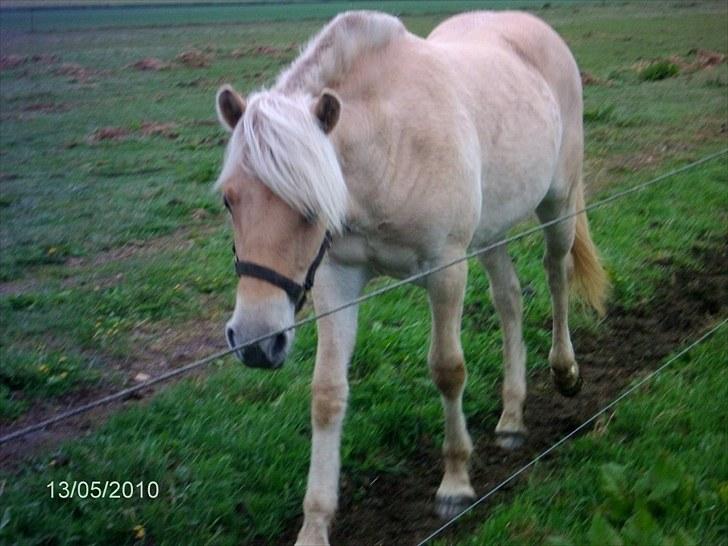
(279, 344)
(230, 337)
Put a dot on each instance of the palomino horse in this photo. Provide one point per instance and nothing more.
(406, 151)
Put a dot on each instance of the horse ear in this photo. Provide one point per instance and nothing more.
(327, 111)
(230, 107)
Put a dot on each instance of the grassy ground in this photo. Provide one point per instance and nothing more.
(641, 479)
(128, 15)
(115, 260)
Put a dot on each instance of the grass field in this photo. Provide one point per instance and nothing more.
(115, 261)
(641, 480)
(122, 14)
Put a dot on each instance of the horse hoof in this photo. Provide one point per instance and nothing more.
(567, 387)
(510, 440)
(450, 506)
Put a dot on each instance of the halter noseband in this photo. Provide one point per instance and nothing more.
(296, 292)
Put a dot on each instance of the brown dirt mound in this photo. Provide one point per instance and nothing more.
(194, 58)
(148, 128)
(706, 58)
(45, 58)
(76, 72)
(267, 50)
(108, 133)
(46, 107)
(695, 60)
(149, 63)
(398, 509)
(8, 62)
(591, 79)
(167, 130)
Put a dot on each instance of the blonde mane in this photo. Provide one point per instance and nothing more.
(280, 141)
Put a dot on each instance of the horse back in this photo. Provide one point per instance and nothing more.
(529, 40)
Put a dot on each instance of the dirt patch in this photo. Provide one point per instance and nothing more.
(149, 63)
(108, 133)
(8, 62)
(45, 58)
(13, 288)
(166, 130)
(148, 128)
(266, 50)
(695, 60)
(650, 157)
(194, 58)
(46, 107)
(398, 509)
(181, 239)
(160, 348)
(591, 79)
(75, 72)
(190, 58)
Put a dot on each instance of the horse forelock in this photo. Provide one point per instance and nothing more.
(334, 49)
(279, 142)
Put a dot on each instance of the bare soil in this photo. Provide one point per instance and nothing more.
(168, 130)
(150, 63)
(398, 509)
(194, 58)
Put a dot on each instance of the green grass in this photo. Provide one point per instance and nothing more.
(659, 70)
(61, 18)
(658, 474)
(107, 247)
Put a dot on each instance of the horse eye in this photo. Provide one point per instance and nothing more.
(226, 203)
(310, 217)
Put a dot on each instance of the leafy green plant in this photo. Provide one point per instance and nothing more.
(634, 509)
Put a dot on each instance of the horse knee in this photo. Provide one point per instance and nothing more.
(328, 403)
(320, 507)
(449, 375)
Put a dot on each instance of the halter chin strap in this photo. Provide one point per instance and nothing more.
(296, 292)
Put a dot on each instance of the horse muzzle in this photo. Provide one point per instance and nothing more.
(269, 353)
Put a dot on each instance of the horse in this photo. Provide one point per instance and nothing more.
(378, 152)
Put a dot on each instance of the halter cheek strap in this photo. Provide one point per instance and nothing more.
(296, 292)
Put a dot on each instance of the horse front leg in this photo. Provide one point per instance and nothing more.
(446, 290)
(335, 285)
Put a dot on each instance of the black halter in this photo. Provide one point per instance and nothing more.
(296, 292)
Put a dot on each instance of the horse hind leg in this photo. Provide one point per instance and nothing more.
(558, 263)
(446, 291)
(506, 295)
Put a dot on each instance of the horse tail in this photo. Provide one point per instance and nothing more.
(588, 276)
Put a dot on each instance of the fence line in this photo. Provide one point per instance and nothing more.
(578, 429)
(124, 393)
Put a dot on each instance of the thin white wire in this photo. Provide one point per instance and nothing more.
(581, 427)
(124, 393)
